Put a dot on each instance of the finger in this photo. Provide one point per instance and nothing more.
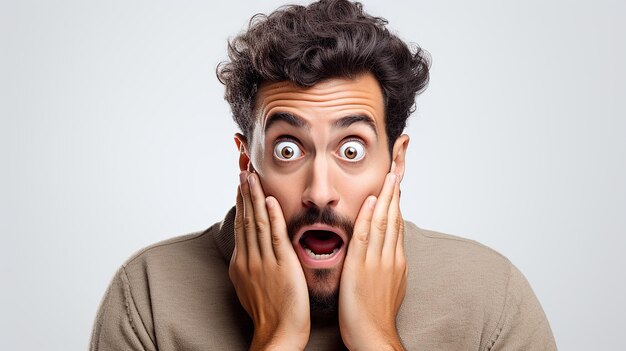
(261, 219)
(400, 243)
(394, 219)
(240, 237)
(360, 234)
(380, 219)
(280, 238)
(252, 247)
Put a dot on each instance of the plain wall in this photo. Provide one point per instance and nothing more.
(114, 135)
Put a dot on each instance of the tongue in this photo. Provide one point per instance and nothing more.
(321, 242)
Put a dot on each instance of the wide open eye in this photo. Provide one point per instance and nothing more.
(287, 150)
(352, 150)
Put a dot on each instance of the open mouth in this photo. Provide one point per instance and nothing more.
(320, 246)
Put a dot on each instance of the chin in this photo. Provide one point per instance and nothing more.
(323, 285)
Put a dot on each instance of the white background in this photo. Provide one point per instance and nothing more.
(114, 135)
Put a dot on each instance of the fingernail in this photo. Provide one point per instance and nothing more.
(269, 202)
(372, 202)
(242, 177)
(251, 180)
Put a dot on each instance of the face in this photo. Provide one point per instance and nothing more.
(321, 151)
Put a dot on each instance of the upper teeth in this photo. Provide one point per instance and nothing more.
(321, 256)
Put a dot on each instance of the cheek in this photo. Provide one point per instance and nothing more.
(354, 190)
(286, 189)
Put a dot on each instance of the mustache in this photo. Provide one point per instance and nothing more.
(313, 215)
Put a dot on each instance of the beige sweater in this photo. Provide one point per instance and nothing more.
(461, 295)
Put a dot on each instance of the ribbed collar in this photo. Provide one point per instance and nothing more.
(225, 235)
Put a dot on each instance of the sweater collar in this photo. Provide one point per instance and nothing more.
(225, 235)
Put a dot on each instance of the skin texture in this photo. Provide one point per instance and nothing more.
(345, 167)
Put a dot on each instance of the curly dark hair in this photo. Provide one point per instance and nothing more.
(326, 39)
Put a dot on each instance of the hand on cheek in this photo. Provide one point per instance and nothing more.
(373, 281)
(266, 273)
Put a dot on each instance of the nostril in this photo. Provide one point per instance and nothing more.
(320, 191)
(320, 202)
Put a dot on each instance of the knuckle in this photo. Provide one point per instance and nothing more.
(381, 224)
(399, 223)
(248, 223)
(261, 226)
(361, 237)
(276, 240)
(239, 225)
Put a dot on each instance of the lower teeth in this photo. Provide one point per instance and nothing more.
(321, 256)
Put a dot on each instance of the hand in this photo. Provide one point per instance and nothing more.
(266, 273)
(373, 281)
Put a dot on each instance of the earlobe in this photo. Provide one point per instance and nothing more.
(398, 155)
(242, 147)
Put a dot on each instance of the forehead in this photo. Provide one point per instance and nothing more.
(327, 100)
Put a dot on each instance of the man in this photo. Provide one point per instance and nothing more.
(316, 253)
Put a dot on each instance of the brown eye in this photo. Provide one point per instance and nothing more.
(352, 151)
(287, 150)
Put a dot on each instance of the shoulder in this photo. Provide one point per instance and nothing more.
(456, 255)
(448, 268)
(184, 261)
(472, 290)
(168, 289)
(181, 249)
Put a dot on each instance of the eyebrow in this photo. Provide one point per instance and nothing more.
(288, 118)
(345, 122)
(297, 122)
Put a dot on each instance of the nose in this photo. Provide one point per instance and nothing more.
(320, 188)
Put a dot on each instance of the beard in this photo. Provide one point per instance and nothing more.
(323, 284)
(323, 301)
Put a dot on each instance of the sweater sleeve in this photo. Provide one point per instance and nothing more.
(118, 325)
(523, 324)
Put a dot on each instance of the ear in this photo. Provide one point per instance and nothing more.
(244, 154)
(398, 155)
